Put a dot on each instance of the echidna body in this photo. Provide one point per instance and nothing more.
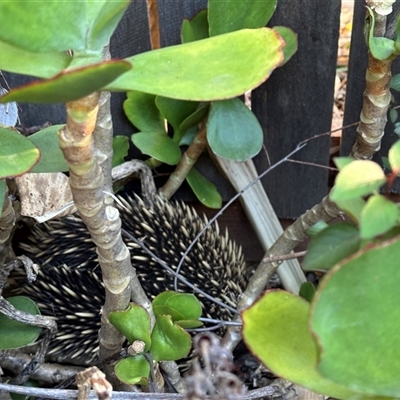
(69, 288)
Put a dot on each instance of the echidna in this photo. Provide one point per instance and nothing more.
(69, 287)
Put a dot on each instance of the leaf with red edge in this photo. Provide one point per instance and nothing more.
(69, 85)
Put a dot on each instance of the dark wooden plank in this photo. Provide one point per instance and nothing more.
(296, 103)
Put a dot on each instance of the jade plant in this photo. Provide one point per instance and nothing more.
(166, 341)
(345, 342)
(71, 70)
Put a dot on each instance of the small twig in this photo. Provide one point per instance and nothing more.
(313, 164)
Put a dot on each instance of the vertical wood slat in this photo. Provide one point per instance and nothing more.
(356, 86)
(296, 103)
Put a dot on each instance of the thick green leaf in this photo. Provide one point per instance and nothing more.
(275, 329)
(195, 28)
(394, 157)
(217, 68)
(15, 334)
(133, 323)
(357, 179)
(290, 39)
(105, 15)
(141, 110)
(158, 145)
(17, 153)
(377, 217)
(395, 82)
(192, 121)
(42, 65)
(120, 149)
(51, 156)
(380, 47)
(232, 15)
(175, 112)
(205, 191)
(307, 291)
(59, 26)
(184, 303)
(165, 310)
(331, 245)
(352, 207)
(133, 370)
(341, 162)
(356, 316)
(233, 131)
(69, 85)
(169, 341)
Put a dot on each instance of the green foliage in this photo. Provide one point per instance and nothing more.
(51, 157)
(120, 150)
(232, 15)
(345, 343)
(167, 340)
(17, 153)
(331, 245)
(204, 190)
(14, 334)
(233, 131)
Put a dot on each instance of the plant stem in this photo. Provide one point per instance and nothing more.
(103, 222)
(186, 163)
(376, 101)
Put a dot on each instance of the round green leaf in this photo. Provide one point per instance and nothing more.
(192, 121)
(51, 156)
(179, 305)
(357, 179)
(169, 341)
(233, 131)
(205, 191)
(196, 28)
(15, 334)
(220, 67)
(120, 149)
(290, 39)
(141, 110)
(307, 291)
(185, 303)
(394, 157)
(133, 323)
(275, 329)
(331, 245)
(377, 217)
(17, 153)
(42, 65)
(175, 112)
(158, 145)
(69, 85)
(133, 370)
(395, 82)
(232, 15)
(356, 317)
(341, 162)
(59, 26)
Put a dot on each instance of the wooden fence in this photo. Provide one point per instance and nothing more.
(293, 105)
